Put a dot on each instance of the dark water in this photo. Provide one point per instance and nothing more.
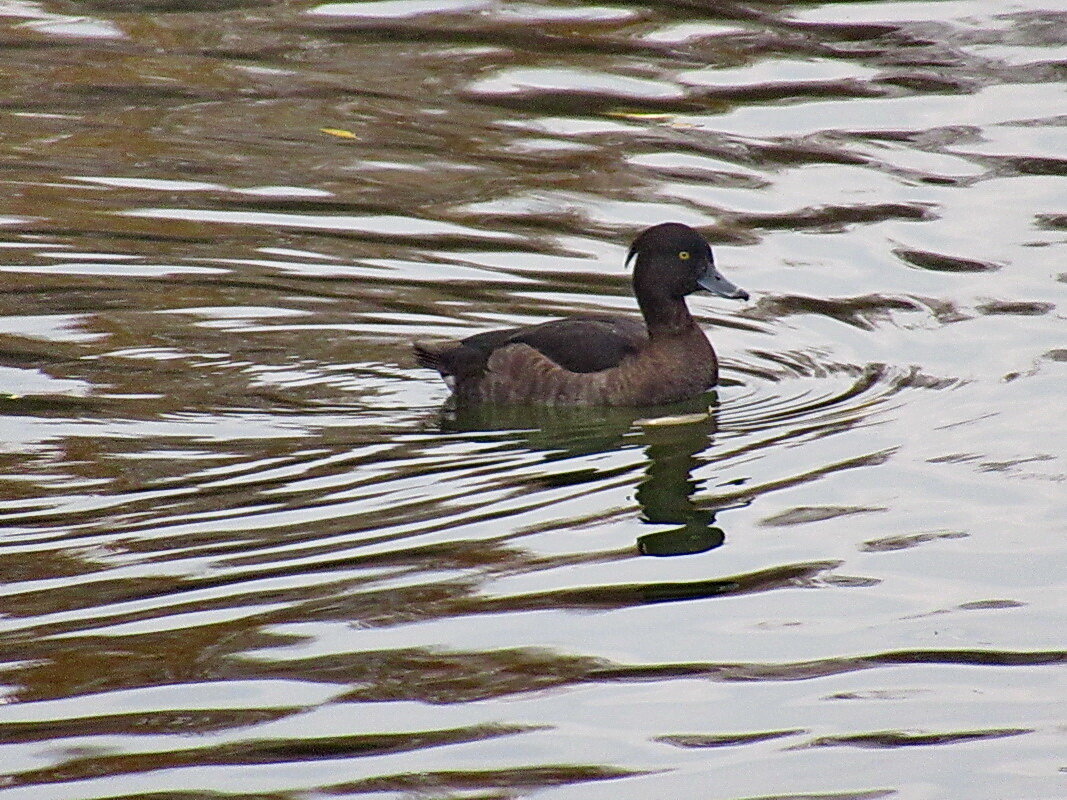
(244, 551)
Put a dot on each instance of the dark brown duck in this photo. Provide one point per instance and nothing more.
(600, 360)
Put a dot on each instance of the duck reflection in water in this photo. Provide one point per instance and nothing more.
(666, 493)
(673, 437)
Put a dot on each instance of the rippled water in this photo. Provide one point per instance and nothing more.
(246, 552)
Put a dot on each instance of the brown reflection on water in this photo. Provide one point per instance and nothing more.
(264, 752)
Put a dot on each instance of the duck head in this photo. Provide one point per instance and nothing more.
(675, 260)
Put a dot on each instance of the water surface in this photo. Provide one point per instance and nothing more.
(247, 551)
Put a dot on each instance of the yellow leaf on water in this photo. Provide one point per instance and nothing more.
(653, 116)
(340, 132)
(674, 419)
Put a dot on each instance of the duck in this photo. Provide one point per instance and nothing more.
(600, 360)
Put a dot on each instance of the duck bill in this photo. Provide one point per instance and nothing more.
(715, 283)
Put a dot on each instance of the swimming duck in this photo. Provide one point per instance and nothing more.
(601, 360)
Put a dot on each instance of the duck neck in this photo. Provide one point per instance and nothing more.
(665, 315)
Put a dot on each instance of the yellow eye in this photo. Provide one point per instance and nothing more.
(684, 255)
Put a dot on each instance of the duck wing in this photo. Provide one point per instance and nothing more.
(578, 344)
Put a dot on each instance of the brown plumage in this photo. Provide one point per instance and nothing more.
(599, 360)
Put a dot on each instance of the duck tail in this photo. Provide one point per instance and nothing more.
(432, 356)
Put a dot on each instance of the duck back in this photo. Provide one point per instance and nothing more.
(626, 370)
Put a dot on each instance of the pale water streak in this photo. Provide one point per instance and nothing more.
(248, 551)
